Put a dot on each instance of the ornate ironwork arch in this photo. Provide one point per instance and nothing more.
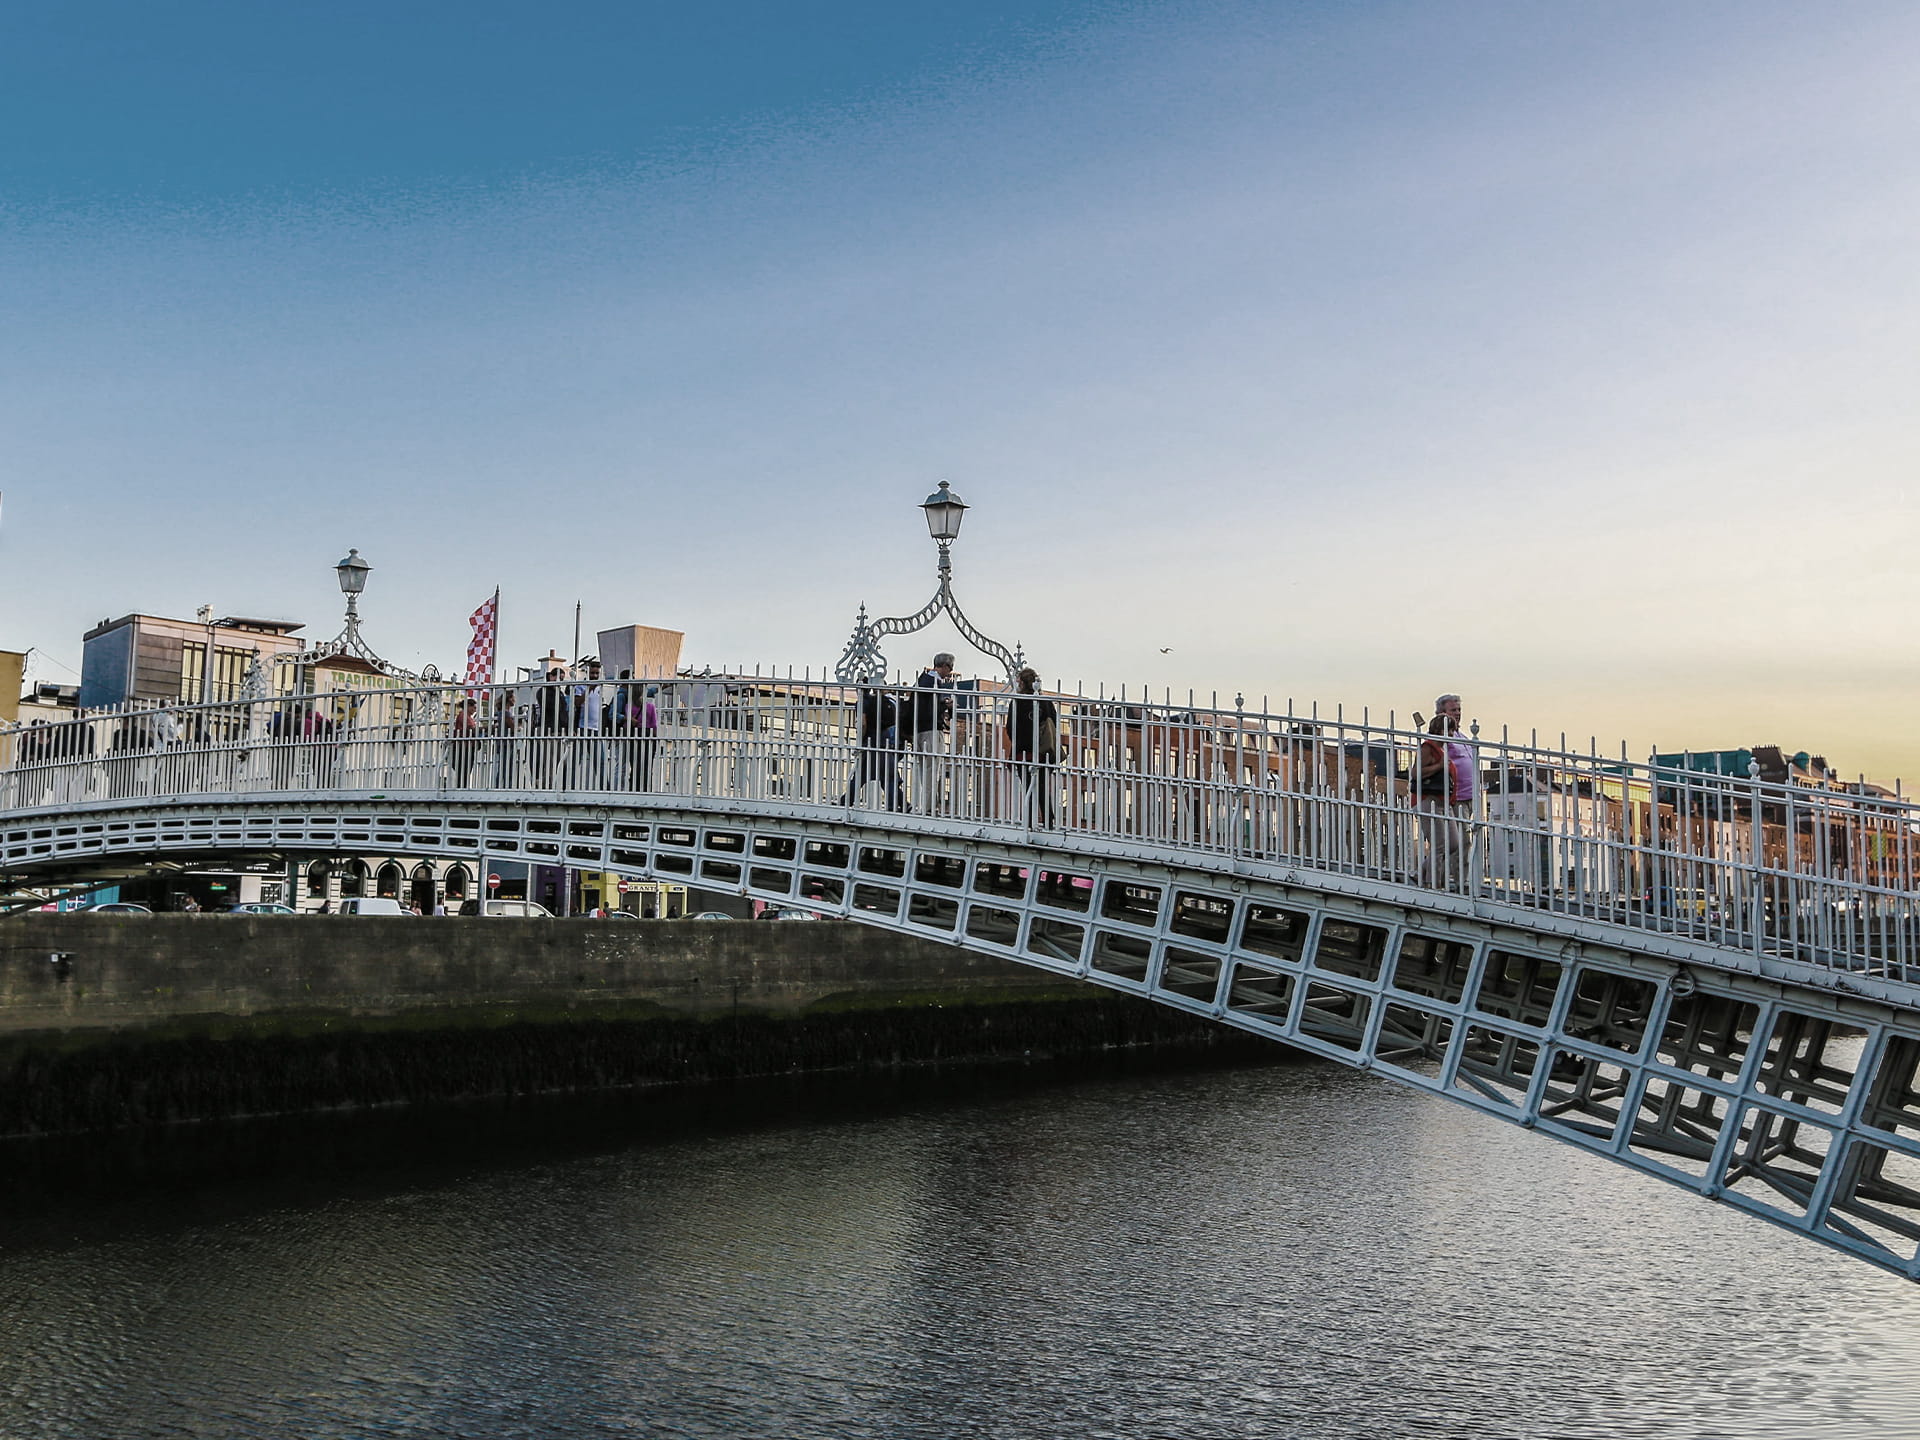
(863, 659)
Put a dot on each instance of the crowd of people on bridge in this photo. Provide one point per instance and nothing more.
(1441, 810)
(915, 728)
(916, 748)
(613, 725)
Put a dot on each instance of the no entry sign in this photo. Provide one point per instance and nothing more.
(493, 882)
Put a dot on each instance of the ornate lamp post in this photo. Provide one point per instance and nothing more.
(862, 660)
(353, 579)
(352, 575)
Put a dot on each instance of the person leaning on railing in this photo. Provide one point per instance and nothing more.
(283, 733)
(33, 748)
(631, 723)
(588, 715)
(317, 732)
(550, 721)
(1445, 786)
(463, 743)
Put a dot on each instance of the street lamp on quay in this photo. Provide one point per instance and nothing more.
(862, 659)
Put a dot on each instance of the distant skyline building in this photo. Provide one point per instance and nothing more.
(1776, 767)
(646, 650)
(151, 657)
(13, 674)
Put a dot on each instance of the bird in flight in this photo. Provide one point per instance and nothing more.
(1166, 650)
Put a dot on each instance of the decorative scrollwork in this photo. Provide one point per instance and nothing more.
(258, 684)
(348, 642)
(864, 660)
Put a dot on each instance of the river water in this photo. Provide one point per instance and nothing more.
(1291, 1251)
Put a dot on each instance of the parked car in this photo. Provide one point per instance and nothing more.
(372, 905)
(511, 909)
(118, 907)
(711, 915)
(263, 907)
(788, 915)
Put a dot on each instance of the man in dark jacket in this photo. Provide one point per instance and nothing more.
(932, 715)
(1033, 738)
(551, 719)
(879, 754)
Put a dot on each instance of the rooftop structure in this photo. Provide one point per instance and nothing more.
(153, 657)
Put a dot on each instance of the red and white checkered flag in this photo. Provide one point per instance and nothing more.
(486, 625)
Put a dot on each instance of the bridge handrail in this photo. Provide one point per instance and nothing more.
(1825, 875)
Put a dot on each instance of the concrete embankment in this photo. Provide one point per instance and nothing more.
(154, 1019)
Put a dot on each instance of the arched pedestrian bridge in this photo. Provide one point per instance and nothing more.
(1710, 978)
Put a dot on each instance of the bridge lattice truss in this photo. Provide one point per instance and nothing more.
(1711, 979)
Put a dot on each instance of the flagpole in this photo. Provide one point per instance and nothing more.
(493, 668)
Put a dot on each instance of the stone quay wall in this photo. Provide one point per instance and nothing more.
(148, 1020)
(138, 971)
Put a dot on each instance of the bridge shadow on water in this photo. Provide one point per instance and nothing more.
(62, 1189)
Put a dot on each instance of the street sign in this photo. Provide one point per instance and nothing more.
(493, 882)
(623, 887)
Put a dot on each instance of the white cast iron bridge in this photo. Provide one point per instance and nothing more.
(1709, 978)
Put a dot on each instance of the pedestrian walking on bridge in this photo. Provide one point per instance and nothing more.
(931, 720)
(878, 758)
(1033, 738)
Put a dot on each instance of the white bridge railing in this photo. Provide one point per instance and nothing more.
(1819, 875)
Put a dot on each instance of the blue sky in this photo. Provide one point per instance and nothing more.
(1560, 355)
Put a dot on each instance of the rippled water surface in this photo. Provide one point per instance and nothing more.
(1296, 1251)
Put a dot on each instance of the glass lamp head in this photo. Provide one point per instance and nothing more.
(944, 510)
(353, 573)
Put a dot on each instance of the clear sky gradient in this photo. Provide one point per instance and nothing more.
(1564, 356)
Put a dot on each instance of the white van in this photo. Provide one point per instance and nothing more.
(372, 905)
(512, 909)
